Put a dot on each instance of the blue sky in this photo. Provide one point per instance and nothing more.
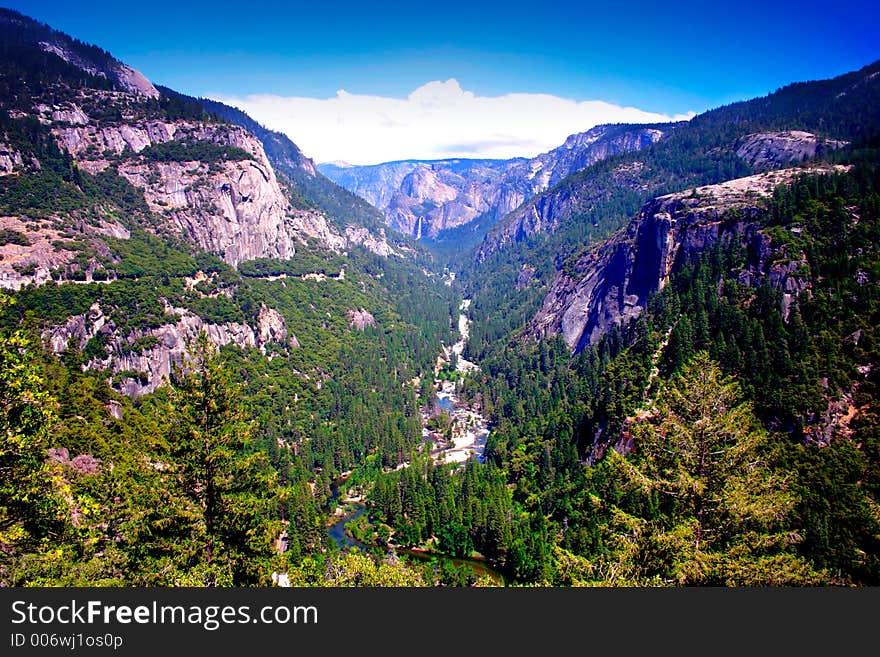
(667, 59)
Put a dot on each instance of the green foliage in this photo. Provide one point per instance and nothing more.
(193, 151)
(462, 509)
(552, 412)
(195, 483)
(353, 569)
(224, 488)
(29, 74)
(722, 514)
(58, 187)
(28, 506)
(10, 236)
(307, 261)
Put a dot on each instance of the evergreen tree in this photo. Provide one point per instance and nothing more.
(227, 490)
(723, 509)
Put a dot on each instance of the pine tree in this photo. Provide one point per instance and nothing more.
(229, 491)
(724, 510)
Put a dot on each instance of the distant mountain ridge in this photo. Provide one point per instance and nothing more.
(425, 198)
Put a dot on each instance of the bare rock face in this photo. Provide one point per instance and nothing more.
(125, 76)
(423, 198)
(769, 150)
(9, 158)
(611, 284)
(546, 212)
(135, 370)
(32, 262)
(360, 319)
(270, 326)
(586, 148)
(235, 208)
(360, 236)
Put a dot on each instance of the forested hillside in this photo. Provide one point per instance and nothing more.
(134, 451)
(217, 367)
(765, 316)
(518, 260)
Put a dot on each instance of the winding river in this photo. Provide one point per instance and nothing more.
(470, 429)
(469, 441)
(346, 541)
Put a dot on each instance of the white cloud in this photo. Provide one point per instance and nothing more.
(437, 120)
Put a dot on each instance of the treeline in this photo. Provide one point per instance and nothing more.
(187, 486)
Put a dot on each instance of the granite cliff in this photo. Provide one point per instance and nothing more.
(611, 284)
(141, 361)
(229, 203)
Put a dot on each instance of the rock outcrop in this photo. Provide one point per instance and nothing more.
(360, 319)
(611, 284)
(42, 252)
(378, 244)
(423, 198)
(9, 158)
(142, 360)
(20, 29)
(234, 208)
(125, 76)
(548, 212)
(770, 150)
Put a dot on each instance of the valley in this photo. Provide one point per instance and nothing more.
(647, 356)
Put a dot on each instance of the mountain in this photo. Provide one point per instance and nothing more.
(426, 198)
(517, 262)
(127, 190)
(735, 256)
(209, 353)
(201, 178)
(612, 284)
(22, 33)
(311, 189)
(799, 121)
(149, 239)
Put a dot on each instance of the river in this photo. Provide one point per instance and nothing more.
(355, 510)
(470, 429)
(469, 435)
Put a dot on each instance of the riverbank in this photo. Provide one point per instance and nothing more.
(469, 430)
(337, 531)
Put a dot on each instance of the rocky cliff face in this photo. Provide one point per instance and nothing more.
(41, 249)
(224, 197)
(234, 208)
(360, 319)
(423, 199)
(138, 363)
(586, 148)
(377, 243)
(9, 158)
(343, 209)
(770, 150)
(129, 79)
(549, 211)
(611, 284)
(20, 29)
